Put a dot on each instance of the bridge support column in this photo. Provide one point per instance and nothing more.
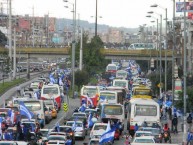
(28, 66)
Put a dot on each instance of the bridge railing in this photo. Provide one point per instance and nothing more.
(32, 50)
(143, 52)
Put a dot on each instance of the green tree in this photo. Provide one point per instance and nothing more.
(3, 39)
(81, 78)
(93, 60)
(180, 103)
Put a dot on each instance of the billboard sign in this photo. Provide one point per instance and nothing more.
(188, 6)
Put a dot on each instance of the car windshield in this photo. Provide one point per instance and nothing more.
(143, 134)
(50, 90)
(44, 133)
(33, 105)
(140, 140)
(71, 124)
(56, 137)
(99, 127)
(154, 131)
(66, 129)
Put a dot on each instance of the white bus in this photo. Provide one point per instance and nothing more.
(121, 83)
(122, 74)
(140, 110)
(51, 91)
(112, 111)
(111, 96)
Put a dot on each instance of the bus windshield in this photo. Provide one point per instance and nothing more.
(113, 110)
(111, 68)
(90, 91)
(121, 74)
(120, 83)
(145, 110)
(33, 105)
(50, 90)
(142, 92)
(108, 96)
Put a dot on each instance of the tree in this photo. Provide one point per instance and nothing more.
(180, 103)
(81, 78)
(3, 39)
(93, 60)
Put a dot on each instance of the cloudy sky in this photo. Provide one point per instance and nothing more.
(127, 13)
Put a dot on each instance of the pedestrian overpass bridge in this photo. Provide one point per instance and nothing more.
(115, 54)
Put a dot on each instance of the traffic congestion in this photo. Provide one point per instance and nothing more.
(120, 107)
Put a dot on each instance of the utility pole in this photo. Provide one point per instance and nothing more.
(81, 53)
(96, 20)
(160, 89)
(10, 38)
(33, 23)
(14, 56)
(166, 47)
(185, 74)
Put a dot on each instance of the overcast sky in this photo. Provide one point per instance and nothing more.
(127, 13)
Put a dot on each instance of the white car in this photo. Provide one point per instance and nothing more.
(142, 133)
(79, 114)
(144, 139)
(97, 130)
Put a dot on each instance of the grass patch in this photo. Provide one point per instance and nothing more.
(7, 85)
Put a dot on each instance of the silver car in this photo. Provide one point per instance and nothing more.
(79, 130)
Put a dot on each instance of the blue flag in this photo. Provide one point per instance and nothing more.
(25, 111)
(90, 123)
(107, 136)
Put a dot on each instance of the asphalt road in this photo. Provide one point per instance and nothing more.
(176, 138)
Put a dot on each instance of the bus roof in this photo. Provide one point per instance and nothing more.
(142, 101)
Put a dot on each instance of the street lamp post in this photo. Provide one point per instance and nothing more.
(160, 69)
(185, 74)
(73, 48)
(166, 45)
(96, 20)
(149, 16)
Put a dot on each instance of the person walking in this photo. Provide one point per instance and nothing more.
(189, 121)
(18, 90)
(175, 123)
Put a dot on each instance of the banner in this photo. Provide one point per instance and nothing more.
(188, 6)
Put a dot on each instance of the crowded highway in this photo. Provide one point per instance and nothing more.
(120, 109)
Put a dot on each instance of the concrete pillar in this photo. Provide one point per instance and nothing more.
(28, 66)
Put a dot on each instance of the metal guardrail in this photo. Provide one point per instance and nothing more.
(144, 52)
(32, 50)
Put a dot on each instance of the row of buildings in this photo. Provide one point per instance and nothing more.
(47, 30)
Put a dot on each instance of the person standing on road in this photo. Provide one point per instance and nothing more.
(189, 121)
(18, 90)
(175, 123)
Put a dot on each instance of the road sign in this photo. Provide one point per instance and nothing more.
(65, 107)
(160, 85)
